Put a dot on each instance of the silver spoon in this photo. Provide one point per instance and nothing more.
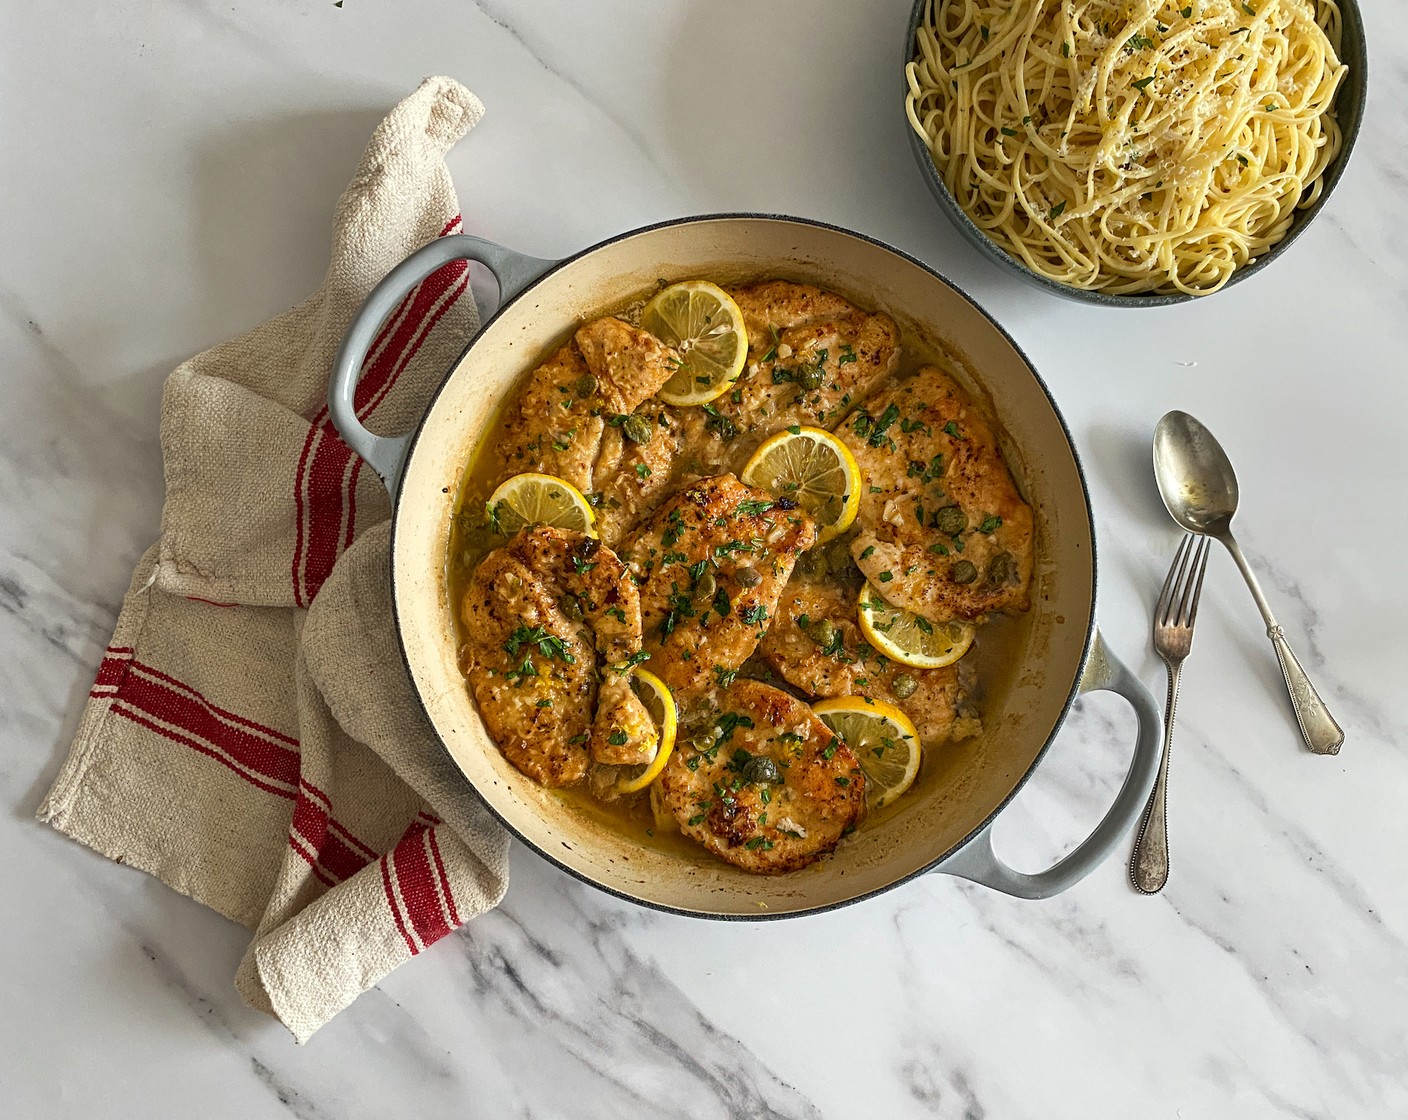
(1199, 488)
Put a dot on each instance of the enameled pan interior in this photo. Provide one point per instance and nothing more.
(964, 784)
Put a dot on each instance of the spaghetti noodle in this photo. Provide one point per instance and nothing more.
(1135, 146)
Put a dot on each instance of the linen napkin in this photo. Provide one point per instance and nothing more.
(252, 738)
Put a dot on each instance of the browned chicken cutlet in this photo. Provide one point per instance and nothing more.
(710, 564)
(558, 423)
(811, 356)
(632, 478)
(544, 616)
(943, 531)
(816, 645)
(554, 425)
(760, 781)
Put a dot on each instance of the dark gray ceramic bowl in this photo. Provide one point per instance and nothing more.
(1349, 103)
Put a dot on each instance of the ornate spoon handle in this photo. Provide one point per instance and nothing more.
(1317, 726)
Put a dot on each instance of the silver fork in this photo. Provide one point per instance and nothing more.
(1174, 616)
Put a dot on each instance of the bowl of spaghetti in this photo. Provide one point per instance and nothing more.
(1134, 152)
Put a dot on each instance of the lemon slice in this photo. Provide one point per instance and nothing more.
(661, 706)
(883, 739)
(703, 323)
(816, 469)
(540, 499)
(911, 639)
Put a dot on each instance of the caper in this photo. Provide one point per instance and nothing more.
(572, 607)
(638, 429)
(904, 686)
(747, 577)
(951, 520)
(813, 563)
(586, 385)
(822, 632)
(810, 377)
(965, 571)
(838, 559)
(760, 768)
(1002, 567)
(706, 585)
(722, 426)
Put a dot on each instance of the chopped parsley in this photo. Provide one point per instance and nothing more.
(631, 662)
(1143, 83)
(643, 472)
(618, 739)
(721, 604)
(754, 614)
(867, 552)
(719, 424)
(1058, 209)
(752, 507)
(989, 524)
(549, 645)
(728, 723)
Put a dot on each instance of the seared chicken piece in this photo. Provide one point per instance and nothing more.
(811, 356)
(631, 478)
(944, 532)
(710, 564)
(543, 615)
(556, 423)
(629, 364)
(761, 782)
(816, 645)
(550, 426)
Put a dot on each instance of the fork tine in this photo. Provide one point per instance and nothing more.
(1186, 580)
(1163, 609)
(1196, 590)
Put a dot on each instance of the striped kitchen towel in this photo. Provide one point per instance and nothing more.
(252, 738)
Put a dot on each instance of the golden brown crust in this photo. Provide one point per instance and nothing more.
(923, 449)
(847, 665)
(795, 332)
(710, 564)
(545, 616)
(717, 785)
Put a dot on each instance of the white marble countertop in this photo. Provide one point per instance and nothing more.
(169, 175)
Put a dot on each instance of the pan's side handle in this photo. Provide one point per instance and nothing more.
(387, 454)
(977, 860)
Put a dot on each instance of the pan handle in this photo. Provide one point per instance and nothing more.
(978, 860)
(387, 454)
